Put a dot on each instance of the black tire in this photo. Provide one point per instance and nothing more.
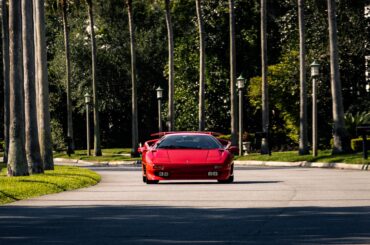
(227, 181)
(144, 179)
(149, 182)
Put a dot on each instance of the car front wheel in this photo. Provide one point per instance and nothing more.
(227, 181)
(149, 182)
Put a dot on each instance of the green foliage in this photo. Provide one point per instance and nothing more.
(57, 135)
(283, 96)
(354, 120)
(117, 154)
(113, 57)
(52, 181)
(356, 144)
(323, 156)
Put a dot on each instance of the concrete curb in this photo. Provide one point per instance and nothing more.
(76, 162)
(305, 164)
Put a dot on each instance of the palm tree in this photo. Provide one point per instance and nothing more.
(97, 149)
(341, 140)
(5, 42)
(134, 121)
(234, 119)
(42, 86)
(303, 141)
(171, 90)
(17, 163)
(64, 6)
(32, 141)
(202, 60)
(265, 105)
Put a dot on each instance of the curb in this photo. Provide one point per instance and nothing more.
(302, 164)
(76, 162)
(305, 164)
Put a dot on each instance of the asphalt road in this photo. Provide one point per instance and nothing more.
(263, 206)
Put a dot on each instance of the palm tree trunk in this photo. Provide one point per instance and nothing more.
(134, 111)
(42, 87)
(32, 142)
(202, 66)
(233, 108)
(341, 140)
(265, 105)
(68, 76)
(17, 163)
(97, 149)
(303, 141)
(171, 89)
(5, 42)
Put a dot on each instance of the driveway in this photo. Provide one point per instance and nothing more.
(264, 206)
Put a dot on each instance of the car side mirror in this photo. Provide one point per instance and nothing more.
(141, 149)
(233, 149)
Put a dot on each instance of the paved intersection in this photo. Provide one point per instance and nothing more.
(263, 206)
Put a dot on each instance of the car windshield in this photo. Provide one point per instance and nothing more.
(189, 142)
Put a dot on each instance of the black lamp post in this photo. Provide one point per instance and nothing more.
(315, 72)
(88, 102)
(159, 97)
(240, 84)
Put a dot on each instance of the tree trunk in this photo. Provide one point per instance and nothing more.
(134, 111)
(17, 163)
(42, 87)
(68, 76)
(341, 139)
(303, 141)
(97, 149)
(171, 89)
(32, 142)
(202, 61)
(5, 42)
(233, 108)
(265, 105)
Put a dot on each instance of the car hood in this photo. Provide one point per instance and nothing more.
(189, 156)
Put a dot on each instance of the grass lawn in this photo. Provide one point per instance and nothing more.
(323, 156)
(115, 154)
(63, 178)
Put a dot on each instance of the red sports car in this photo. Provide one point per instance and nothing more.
(187, 156)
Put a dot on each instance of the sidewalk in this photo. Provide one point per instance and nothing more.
(303, 164)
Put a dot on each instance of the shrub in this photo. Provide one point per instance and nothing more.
(57, 135)
(356, 144)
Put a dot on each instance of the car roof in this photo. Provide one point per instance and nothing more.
(160, 134)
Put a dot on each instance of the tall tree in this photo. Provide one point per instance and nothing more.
(64, 5)
(32, 142)
(202, 60)
(134, 110)
(341, 140)
(171, 68)
(303, 141)
(17, 163)
(42, 86)
(265, 105)
(233, 99)
(5, 42)
(97, 148)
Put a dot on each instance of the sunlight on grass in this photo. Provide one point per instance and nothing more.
(114, 154)
(63, 178)
(292, 156)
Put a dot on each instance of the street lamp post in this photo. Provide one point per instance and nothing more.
(315, 72)
(88, 102)
(159, 97)
(240, 84)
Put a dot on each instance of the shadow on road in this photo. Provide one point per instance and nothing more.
(187, 182)
(171, 225)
